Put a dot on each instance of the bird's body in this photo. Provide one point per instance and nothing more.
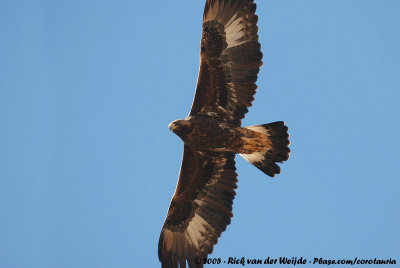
(201, 207)
(195, 131)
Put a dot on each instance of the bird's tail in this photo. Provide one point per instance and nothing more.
(266, 145)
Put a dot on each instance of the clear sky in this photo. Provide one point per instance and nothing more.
(88, 165)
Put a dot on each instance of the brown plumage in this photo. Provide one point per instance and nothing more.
(201, 207)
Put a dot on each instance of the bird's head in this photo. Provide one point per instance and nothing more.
(180, 127)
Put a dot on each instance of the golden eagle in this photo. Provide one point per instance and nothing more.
(201, 207)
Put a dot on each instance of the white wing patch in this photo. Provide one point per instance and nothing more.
(196, 230)
(234, 32)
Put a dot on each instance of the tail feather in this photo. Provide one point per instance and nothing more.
(277, 149)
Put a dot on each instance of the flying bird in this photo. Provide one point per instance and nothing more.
(201, 208)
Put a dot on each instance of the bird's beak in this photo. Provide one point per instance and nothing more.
(171, 126)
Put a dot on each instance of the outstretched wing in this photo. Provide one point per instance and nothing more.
(200, 209)
(230, 59)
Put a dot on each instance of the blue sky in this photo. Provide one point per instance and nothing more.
(88, 165)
